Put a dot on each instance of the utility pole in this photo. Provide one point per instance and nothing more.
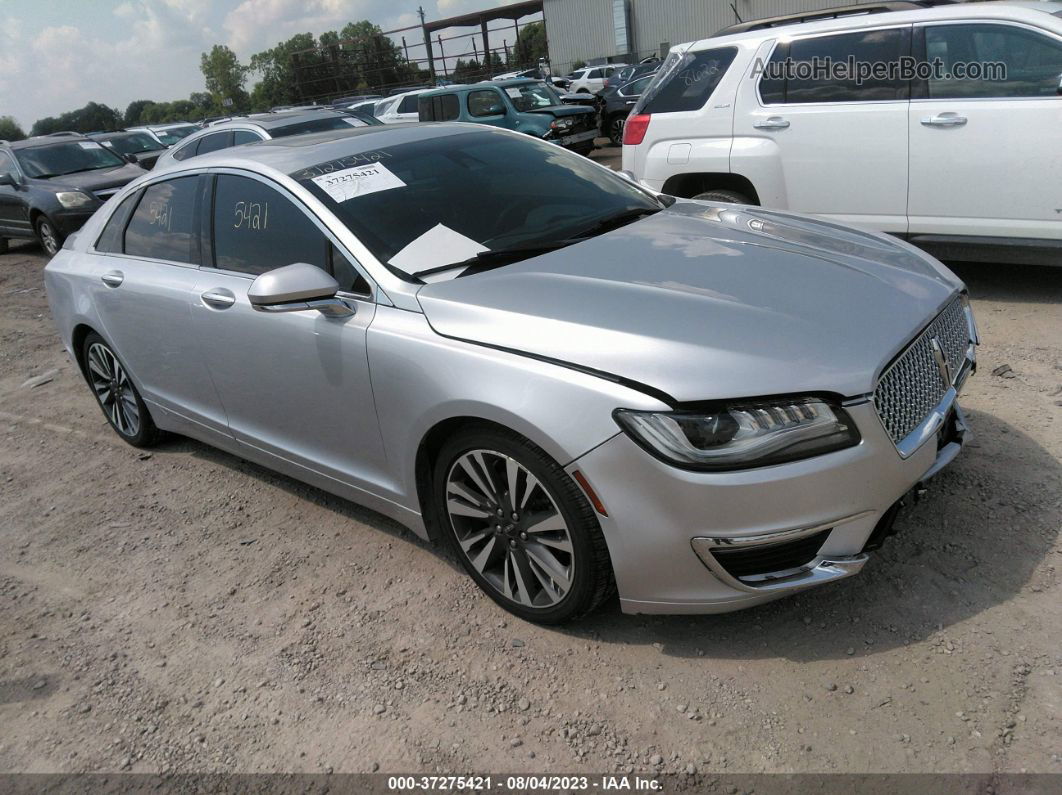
(427, 45)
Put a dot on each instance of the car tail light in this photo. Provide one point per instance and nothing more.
(634, 129)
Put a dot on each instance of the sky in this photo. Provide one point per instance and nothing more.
(57, 55)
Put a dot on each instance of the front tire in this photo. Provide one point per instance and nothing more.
(116, 394)
(50, 238)
(520, 526)
(728, 196)
(614, 129)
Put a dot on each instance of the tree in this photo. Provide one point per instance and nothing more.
(530, 46)
(278, 85)
(225, 76)
(10, 130)
(94, 116)
(134, 112)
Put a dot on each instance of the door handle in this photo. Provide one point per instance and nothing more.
(771, 123)
(944, 120)
(112, 278)
(218, 298)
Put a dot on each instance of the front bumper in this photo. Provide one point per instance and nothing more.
(688, 542)
(69, 221)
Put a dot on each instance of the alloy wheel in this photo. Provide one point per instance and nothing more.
(49, 239)
(113, 389)
(510, 528)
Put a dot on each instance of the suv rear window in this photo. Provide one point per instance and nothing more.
(686, 81)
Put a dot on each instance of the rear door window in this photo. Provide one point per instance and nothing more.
(163, 226)
(818, 69)
(686, 81)
(408, 104)
(214, 142)
(442, 108)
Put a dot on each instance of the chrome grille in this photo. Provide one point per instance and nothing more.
(912, 385)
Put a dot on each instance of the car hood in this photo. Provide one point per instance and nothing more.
(704, 301)
(563, 110)
(96, 180)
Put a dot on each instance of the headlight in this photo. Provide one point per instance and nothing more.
(561, 124)
(73, 198)
(741, 435)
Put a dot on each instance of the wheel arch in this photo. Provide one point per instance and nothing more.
(686, 186)
(77, 342)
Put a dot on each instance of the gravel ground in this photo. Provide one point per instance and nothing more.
(188, 611)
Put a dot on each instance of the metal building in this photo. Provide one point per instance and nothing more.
(596, 31)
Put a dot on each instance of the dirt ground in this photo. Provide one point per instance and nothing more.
(188, 611)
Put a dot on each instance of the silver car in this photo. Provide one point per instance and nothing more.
(582, 387)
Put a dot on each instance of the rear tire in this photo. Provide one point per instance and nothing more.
(521, 527)
(728, 196)
(116, 394)
(49, 237)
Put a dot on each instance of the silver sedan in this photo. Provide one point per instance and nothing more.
(584, 388)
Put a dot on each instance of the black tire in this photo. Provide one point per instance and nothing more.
(48, 236)
(729, 196)
(614, 129)
(143, 433)
(3, 245)
(583, 91)
(592, 581)
(584, 149)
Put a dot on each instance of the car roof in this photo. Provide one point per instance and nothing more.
(507, 83)
(881, 14)
(289, 154)
(45, 140)
(270, 121)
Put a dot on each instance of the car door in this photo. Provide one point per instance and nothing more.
(295, 385)
(142, 273)
(836, 145)
(487, 106)
(985, 159)
(14, 213)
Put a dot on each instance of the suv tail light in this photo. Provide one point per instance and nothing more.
(634, 129)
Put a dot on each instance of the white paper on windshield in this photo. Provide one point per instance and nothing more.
(440, 245)
(515, 93)
(354, 122)
(88, 144)
(359, 181)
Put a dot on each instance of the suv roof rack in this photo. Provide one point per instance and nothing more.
(829, 13)
(63, 134)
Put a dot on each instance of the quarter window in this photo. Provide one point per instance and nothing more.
(443, 108)
(486, 102)
(110, 239)
(163, 224)
(1023, 63)
(408, 104)
(817, 69)
(240, 137)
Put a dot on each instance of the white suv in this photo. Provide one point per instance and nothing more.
(591, 79)
(960, 154)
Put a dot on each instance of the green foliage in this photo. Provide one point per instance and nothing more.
(10, 130)
(471, 71)
(225, 76)
(576, 65)
(530, 47)
(94, 116)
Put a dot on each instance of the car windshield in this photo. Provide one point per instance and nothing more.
(172, 135)
(530, 96)
(69, 157)
(131, 143)
(316, 125)
(425, 204)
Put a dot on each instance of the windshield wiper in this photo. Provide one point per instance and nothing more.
(614, 221)
(485, 260)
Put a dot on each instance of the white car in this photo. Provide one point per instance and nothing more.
(591, 79)
(167, 134)
(401, 108)
(967, 168)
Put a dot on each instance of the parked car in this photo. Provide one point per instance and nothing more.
(964, 167)
(51, 184)
(366, 106)
(524, 105)
(580, 386)
(401, 108)
(167, 134)
(630, 73)
(263, 127)
(144, 149)
(591, 79)
(617, 105)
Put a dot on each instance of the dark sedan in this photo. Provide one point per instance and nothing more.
(618, 104)
(136, 147)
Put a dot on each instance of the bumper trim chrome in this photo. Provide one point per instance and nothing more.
(822, 568)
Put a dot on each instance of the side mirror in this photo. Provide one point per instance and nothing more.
(7, 179)
(295, 288)
(132, 159)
